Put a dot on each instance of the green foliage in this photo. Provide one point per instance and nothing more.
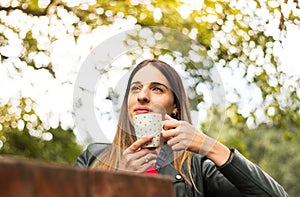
(23, 134)
(269, 147)
(62, 148)
(279, 157)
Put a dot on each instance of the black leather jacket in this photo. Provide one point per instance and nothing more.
(238, 177)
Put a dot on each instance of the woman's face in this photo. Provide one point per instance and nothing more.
(149, 92)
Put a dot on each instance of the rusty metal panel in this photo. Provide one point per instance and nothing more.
(59, 181)
(14, 179)
(125, 184)
(34, 179)
(19, 177)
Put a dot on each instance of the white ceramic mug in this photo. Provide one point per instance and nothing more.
(149, 124)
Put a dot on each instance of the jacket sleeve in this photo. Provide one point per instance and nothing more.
(214, 182)
(87, 158)
(249, 179)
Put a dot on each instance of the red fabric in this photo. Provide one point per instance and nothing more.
(151, 171)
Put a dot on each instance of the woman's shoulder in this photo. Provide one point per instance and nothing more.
(97, 148)
(89, 155)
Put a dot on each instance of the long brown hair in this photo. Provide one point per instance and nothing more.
(125, 136)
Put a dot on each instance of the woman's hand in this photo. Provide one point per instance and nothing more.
(138, 159)
(181, 135)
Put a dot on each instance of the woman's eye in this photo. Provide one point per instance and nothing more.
(134, 88)
(157, 89)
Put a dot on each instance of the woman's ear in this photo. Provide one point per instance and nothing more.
(174, 112)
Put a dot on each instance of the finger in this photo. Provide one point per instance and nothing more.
(145, 166)
(141, 164)
(172, 141)
(144, 162)
(151, 156)
(171, 124)
(146, 156)
(147, 159)
(168, 117)
(139, 143)
(133, 160)
(130, 158)
(178, 143)
(178, 147)
(167, 134)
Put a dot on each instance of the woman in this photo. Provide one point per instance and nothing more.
(222, 172)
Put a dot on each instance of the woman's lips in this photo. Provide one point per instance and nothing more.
(141, 110)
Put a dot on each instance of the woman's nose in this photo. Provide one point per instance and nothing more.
(143, 96)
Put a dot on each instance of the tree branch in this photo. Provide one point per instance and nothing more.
(36, 12)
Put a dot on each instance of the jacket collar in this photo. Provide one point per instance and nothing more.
(165, 156)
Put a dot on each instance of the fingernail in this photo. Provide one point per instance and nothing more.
(150, 136)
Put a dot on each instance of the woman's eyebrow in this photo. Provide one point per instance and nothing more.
(135, 82)
(151, 83)
(158, 83)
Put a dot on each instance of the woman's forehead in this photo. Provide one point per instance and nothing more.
(150, 74)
